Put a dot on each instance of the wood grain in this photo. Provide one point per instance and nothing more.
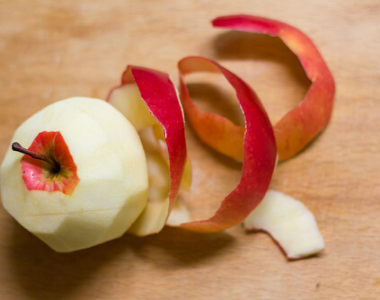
(52, 50)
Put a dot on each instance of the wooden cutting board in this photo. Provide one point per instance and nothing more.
(52, 50)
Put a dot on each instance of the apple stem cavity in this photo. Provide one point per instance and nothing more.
(55, 166)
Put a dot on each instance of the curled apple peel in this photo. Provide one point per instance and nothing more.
(259, 147)
(148, 98)
(277, 214)
(300, 125)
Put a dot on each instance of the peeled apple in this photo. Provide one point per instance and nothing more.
(92, 139)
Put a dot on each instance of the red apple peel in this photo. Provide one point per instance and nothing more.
(48, 165)
(259, 148)
(300, 125)
(160, 96)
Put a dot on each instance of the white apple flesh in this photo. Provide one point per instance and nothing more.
(111, 165)
(289, 222)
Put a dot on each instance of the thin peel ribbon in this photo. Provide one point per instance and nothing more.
(160, 96)
(259, 147)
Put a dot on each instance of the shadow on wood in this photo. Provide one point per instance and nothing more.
(238, 45)
(42, 273)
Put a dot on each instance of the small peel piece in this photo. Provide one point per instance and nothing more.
(300, 125)
(160, 96)
(290, 224)
(259, 147)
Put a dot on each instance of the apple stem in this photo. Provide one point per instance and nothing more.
(54, 164)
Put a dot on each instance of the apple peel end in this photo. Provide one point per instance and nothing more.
(301, 124)
(289, 223)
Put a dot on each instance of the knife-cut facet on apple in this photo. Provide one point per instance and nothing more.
(154, 216)
(259, 148)
(300, 125)
(92, 186)
(156, 92)
(290, 224)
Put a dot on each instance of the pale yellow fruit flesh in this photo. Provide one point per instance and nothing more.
(154, 216)
(128, 101)
(111, 165)
(179, 214)
(187, 175)
(289, 222)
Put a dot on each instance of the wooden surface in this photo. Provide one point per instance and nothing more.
(51, 50)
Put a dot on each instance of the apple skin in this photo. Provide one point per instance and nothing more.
(40, 175)
(259, 148)
(113, 187)
(214, 130)
(149, 99)
(300, 125)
